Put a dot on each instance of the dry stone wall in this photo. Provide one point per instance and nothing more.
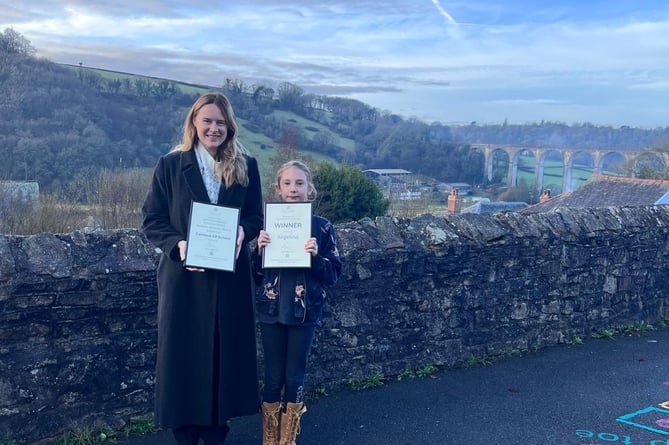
(77, 311)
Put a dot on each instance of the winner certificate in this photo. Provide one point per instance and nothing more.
(289, 228)
(212, 237)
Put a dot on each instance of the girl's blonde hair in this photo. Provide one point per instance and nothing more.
(302, 166)
(232, 167)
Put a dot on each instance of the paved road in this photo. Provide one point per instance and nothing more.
(605, 391)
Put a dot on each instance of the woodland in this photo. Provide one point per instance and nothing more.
(62, 124)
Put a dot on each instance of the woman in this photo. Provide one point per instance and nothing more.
(206, 361)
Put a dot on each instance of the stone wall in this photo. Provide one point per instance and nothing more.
(77, 311)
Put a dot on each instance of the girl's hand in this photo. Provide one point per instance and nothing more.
(311, 247)
(263, 240)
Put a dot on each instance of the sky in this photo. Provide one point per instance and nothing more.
(605, 62)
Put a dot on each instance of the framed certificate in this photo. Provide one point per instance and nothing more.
(289, 227)
(212, 237)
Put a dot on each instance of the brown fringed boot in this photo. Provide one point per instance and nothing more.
(270, 423)
(290, 422)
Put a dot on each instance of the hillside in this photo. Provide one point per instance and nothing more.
(61, 124)
(253, 138)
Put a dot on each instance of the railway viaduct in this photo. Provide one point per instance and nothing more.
(597, 158)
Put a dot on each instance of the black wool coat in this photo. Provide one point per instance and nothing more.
(206, 361)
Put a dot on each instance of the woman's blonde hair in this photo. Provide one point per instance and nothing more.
(232, 167)
(302, 166)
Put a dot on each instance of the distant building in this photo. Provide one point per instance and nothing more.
(462, 187)
(399, 184)
(607, 191)
(408, 195)
(485, 206)
(382, 174)
(376, 173)
(23, 192)
(18, 199)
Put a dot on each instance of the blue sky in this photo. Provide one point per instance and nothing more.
(574, 61)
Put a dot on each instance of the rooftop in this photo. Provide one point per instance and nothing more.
(485, 206)
(387, 171)
(608, 191)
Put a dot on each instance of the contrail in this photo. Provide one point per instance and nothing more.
(445, 13)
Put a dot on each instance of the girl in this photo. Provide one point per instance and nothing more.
(289, 306)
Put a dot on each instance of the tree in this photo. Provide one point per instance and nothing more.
(283, 154)
(164, 89)
(290, 97)
(263, 96)
(346, 194)
(518, 193)
(143, 87)
(12, 42)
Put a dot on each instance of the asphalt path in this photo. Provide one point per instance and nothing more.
(602, 392)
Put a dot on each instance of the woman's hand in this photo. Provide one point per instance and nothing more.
(240, 239)
(182, 254)
(263, 240)
(311, 247)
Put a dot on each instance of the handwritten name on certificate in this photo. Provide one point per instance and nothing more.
(212, 237)
(289, 229)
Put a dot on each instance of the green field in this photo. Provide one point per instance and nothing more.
(553, 174)
(186, 88)
(311, 129)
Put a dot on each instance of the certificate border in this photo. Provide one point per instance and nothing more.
(188, 236)
(298, 266)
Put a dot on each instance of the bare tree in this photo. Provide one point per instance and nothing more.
(118, 198)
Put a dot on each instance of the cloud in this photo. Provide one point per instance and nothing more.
(450, 20)
(553, 56)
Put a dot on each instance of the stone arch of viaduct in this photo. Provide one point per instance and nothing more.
(598, 157)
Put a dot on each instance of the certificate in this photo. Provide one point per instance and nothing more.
(212, 237)
(289, 229)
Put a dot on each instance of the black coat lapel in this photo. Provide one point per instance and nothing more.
(231, 197)
(191, 172)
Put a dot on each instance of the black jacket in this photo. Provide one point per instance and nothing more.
(295, 296)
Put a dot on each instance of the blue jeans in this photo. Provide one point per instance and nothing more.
(286, 350)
